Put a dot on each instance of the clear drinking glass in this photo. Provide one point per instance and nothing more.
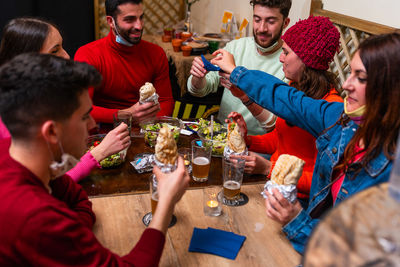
(201, 159)
(232, 177)
(212, 205)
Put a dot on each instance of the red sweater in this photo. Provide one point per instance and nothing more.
(125, 69)
(292, 140)
(43, 229)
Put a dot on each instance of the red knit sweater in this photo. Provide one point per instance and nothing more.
(292, 140)
(43, 229)
(125, 69)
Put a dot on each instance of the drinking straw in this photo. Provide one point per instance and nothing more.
(212, 127)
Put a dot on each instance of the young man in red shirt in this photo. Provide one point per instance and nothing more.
(126, 63)
(46, 217)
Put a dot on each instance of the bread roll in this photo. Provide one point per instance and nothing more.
(166, 149)
(288, 170)
(146, 91)
(236, 141)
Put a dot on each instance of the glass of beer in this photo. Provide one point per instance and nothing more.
(232, 177)
(201, 159)
(153, 193)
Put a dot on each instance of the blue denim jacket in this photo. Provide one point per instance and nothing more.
(314, 116)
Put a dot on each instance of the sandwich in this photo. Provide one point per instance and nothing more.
(235, 141)
(287, 170)
(146, 92)
(166, 151)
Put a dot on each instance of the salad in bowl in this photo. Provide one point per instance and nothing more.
(218, 139)
(111, 161)
(151, 128)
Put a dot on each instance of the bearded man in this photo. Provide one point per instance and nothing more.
(126, 63)
(260, 52)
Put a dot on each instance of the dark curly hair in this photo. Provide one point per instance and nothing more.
(283, 5)
(112, 6)
(38, 87)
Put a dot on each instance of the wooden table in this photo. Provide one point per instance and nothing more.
(357, 232)
(182, 64)
(119, 226)
(125, 180)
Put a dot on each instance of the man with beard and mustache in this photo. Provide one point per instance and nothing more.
(126, 63)
(260, 52)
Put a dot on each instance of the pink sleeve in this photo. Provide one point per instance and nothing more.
(86, 164)
(4, 133)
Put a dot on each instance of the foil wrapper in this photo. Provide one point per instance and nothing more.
(288, 191)
(228, 152)
(143, 162)
(152, 98)
(166, 168)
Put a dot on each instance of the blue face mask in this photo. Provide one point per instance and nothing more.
(119, 39)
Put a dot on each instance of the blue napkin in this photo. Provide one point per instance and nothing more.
(217, 242)
(208, 66)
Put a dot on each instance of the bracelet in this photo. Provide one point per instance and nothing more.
(248, 102)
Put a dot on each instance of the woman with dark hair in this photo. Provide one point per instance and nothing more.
(23, 35)
(309, 74)
(356, 140)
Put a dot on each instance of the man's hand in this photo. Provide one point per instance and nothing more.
(197, 69)
(279, 208)
(254, 163)
(199, 73)
(143, 112)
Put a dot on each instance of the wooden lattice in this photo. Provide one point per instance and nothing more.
(157, 15)
(349, 41)
(352, 32)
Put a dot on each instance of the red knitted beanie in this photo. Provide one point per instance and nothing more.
(314, 40)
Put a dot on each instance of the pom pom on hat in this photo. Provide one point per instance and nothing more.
(314, 40)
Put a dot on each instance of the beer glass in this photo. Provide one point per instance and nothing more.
(153, 193)
(123, 116)
(232, 177)
(201, 159)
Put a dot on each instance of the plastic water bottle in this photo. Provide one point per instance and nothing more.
(394, 182)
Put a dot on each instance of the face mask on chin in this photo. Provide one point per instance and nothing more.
(275, 43)
(118, 38)
(267, 49)
(356, 115)
(58, 169)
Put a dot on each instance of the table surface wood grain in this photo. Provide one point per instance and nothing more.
(119, 226)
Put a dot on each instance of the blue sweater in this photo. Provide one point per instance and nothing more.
(315, 116)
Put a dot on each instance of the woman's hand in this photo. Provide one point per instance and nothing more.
(224, 60)
(115, 141)
(279, 208)
(239, 120)
(254, 163)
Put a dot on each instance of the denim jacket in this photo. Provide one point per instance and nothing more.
(314, 116)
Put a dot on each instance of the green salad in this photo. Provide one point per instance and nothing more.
(111, 161)
(218, 139)
(151, 132)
